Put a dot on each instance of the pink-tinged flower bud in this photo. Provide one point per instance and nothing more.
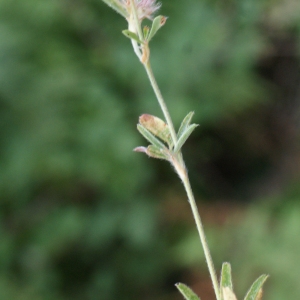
(157, 127)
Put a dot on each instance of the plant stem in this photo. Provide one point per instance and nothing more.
(161, 101)
(209, 261)
(179, 166)
(136, 20)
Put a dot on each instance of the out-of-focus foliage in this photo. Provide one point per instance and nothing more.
(78, 208)
(75, 221)
(267, 241)
(263, 239)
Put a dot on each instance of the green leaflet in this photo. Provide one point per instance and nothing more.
(226, 280)
(187, 293)
(132, 35)
(184, 136)
(150, 137)
(157, 23)
(254, 292)
(156, 152)
(157, 127)
(185, 123)
(153, 151)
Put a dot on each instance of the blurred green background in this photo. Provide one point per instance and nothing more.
(83, 216)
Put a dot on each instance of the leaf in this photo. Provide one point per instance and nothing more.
(150, 137)
(226, 280)
(132, 35)
(187, 293)
(153, 151)
(255, 292)
(157, 23)
(228, 294)
(185, 123)
(184, 136)
(146, 30)
(157, 127)
(116, 5)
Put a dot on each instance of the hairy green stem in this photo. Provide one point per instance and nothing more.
(161, 101)
(177, 159)
(182, 172)
(209, 261)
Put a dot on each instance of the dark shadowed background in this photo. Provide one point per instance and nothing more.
(82, 216)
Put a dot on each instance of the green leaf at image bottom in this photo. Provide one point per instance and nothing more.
(226, 280)
(255, 291)
(228, 294)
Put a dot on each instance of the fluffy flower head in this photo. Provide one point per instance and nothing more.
(145, 8)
